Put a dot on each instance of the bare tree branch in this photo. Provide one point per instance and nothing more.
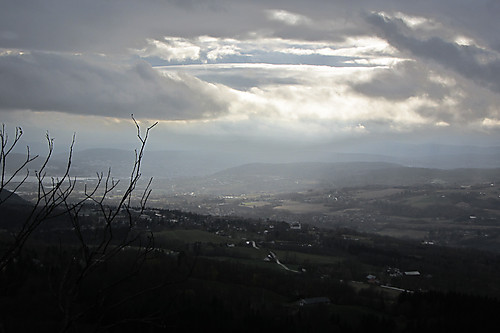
(49, 197)
(91, 250)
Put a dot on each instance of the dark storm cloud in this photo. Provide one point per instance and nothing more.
(404, 81)
(467, 60)
(49, 82)
(116, 25)
(94, 26)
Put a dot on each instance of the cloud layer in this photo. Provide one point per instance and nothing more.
(67, 83)
(290, 71)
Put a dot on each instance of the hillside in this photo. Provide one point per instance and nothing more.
(235, 274)
(13, 198)
(290, 177)
(179, 164)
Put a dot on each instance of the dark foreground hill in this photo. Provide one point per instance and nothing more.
(13, 198)
(234, 274)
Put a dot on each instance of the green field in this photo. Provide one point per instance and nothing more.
(189, 236)
(214, 246)
(302, 207)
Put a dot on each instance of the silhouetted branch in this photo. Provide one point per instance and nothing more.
(5, 150)
(48, 199)
(97, 252)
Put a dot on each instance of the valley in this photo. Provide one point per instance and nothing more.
(351, 246)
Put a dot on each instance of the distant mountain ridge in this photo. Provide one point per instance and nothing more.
(290, 177)
(158, 164)
(184, 164)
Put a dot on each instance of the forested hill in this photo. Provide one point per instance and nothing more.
(235, 274)
(13, 198)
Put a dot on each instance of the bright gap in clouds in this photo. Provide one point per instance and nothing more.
(263, 49)
(300, 98)
(288, 17)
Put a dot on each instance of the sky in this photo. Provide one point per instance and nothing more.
(268, 76)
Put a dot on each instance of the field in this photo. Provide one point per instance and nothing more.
(302, 207)
(447, 214)
(260, 271)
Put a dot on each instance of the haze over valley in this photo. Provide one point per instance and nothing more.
(443, 194)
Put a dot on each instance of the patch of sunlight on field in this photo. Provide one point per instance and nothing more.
(302, 207)
(404, 233)
(377, 193)
(423, 201)
(255, 204)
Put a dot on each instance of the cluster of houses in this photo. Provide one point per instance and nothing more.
(393, 273)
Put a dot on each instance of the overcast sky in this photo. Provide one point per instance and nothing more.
(252, 74)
